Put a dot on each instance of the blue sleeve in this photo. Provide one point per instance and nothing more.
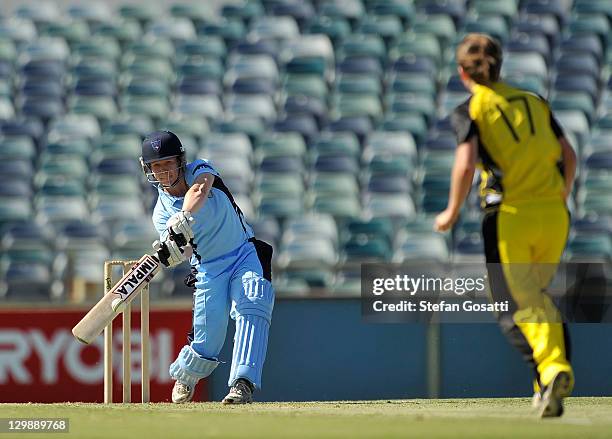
(160, 218)
(198, 167)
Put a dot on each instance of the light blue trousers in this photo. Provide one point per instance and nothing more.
(230, 286)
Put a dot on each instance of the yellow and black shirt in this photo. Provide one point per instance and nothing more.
(517, 144)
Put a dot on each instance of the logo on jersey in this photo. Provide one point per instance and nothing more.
(156, 144)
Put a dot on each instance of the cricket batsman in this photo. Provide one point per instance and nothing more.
(231, 269)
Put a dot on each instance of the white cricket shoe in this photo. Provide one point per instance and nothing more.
(240, 393)
(182, 393)
(550, 403)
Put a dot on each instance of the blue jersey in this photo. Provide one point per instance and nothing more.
(219, 226)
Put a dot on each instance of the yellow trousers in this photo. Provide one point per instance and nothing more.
(527, 240)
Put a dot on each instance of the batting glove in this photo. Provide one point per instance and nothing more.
(179, 224)
(169, 253)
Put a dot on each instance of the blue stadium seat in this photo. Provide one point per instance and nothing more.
(577, 83)
(27, 232)
(277, 28)
(301, 123)
(15, 188)
(196, 86)
(42, 107)
(539, 24)
(361, 249)
(454, 9)
(546, 7)
(405, 11)
(244, 11)
(302, 12)
(397, 206)
(360, 125)
(16, 169)
(392, 184)
(26, 281)
(582, 44)
(336, 29)
(308, 105)
(318, 226)
(351, 10)
(23, 126)
(530, 43)
(336, 164)
(118, 167)
(43, 69)
(282, 164)
(576, 63)
(40, 87)
(260, 46)
(415, 64)
(359, 45)
(253, 86)
(339, 143)
(423, 248)
(360, 65)
(388, 27)
(267, 229)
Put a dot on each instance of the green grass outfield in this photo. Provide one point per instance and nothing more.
(448, 418)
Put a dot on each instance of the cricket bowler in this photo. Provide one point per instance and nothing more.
(528, 168)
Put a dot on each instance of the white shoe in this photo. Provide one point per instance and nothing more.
(182, 393)
(551, 400)
(536, 400)
(240, 393)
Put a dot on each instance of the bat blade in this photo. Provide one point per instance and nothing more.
(108, 307)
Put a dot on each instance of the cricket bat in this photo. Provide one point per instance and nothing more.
(124, 291)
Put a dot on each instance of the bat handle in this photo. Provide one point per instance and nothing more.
(162, 252)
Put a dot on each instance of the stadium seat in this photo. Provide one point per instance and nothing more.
(389, 27)
(546, 7)
(508, 9)
(397, 206)
(424, 248)
(425, 45)
(256, 105)
(361, 45)
(19, 30)
(351, 10)
(319, 226)
(17, 147)
(281, 207)
(176, 29)
(361, 249)
(340, 206)
(336, 29)
(300, 123)
(582, 44)
(336, 143)
(231, 30)
(102, 108)
(546, 25)
(276, 28)
(244, 11)
(441, 25)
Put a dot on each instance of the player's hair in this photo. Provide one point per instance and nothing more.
(480, 56)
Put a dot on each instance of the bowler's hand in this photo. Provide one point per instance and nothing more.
(445, 220)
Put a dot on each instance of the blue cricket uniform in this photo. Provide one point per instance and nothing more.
(233, 279)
